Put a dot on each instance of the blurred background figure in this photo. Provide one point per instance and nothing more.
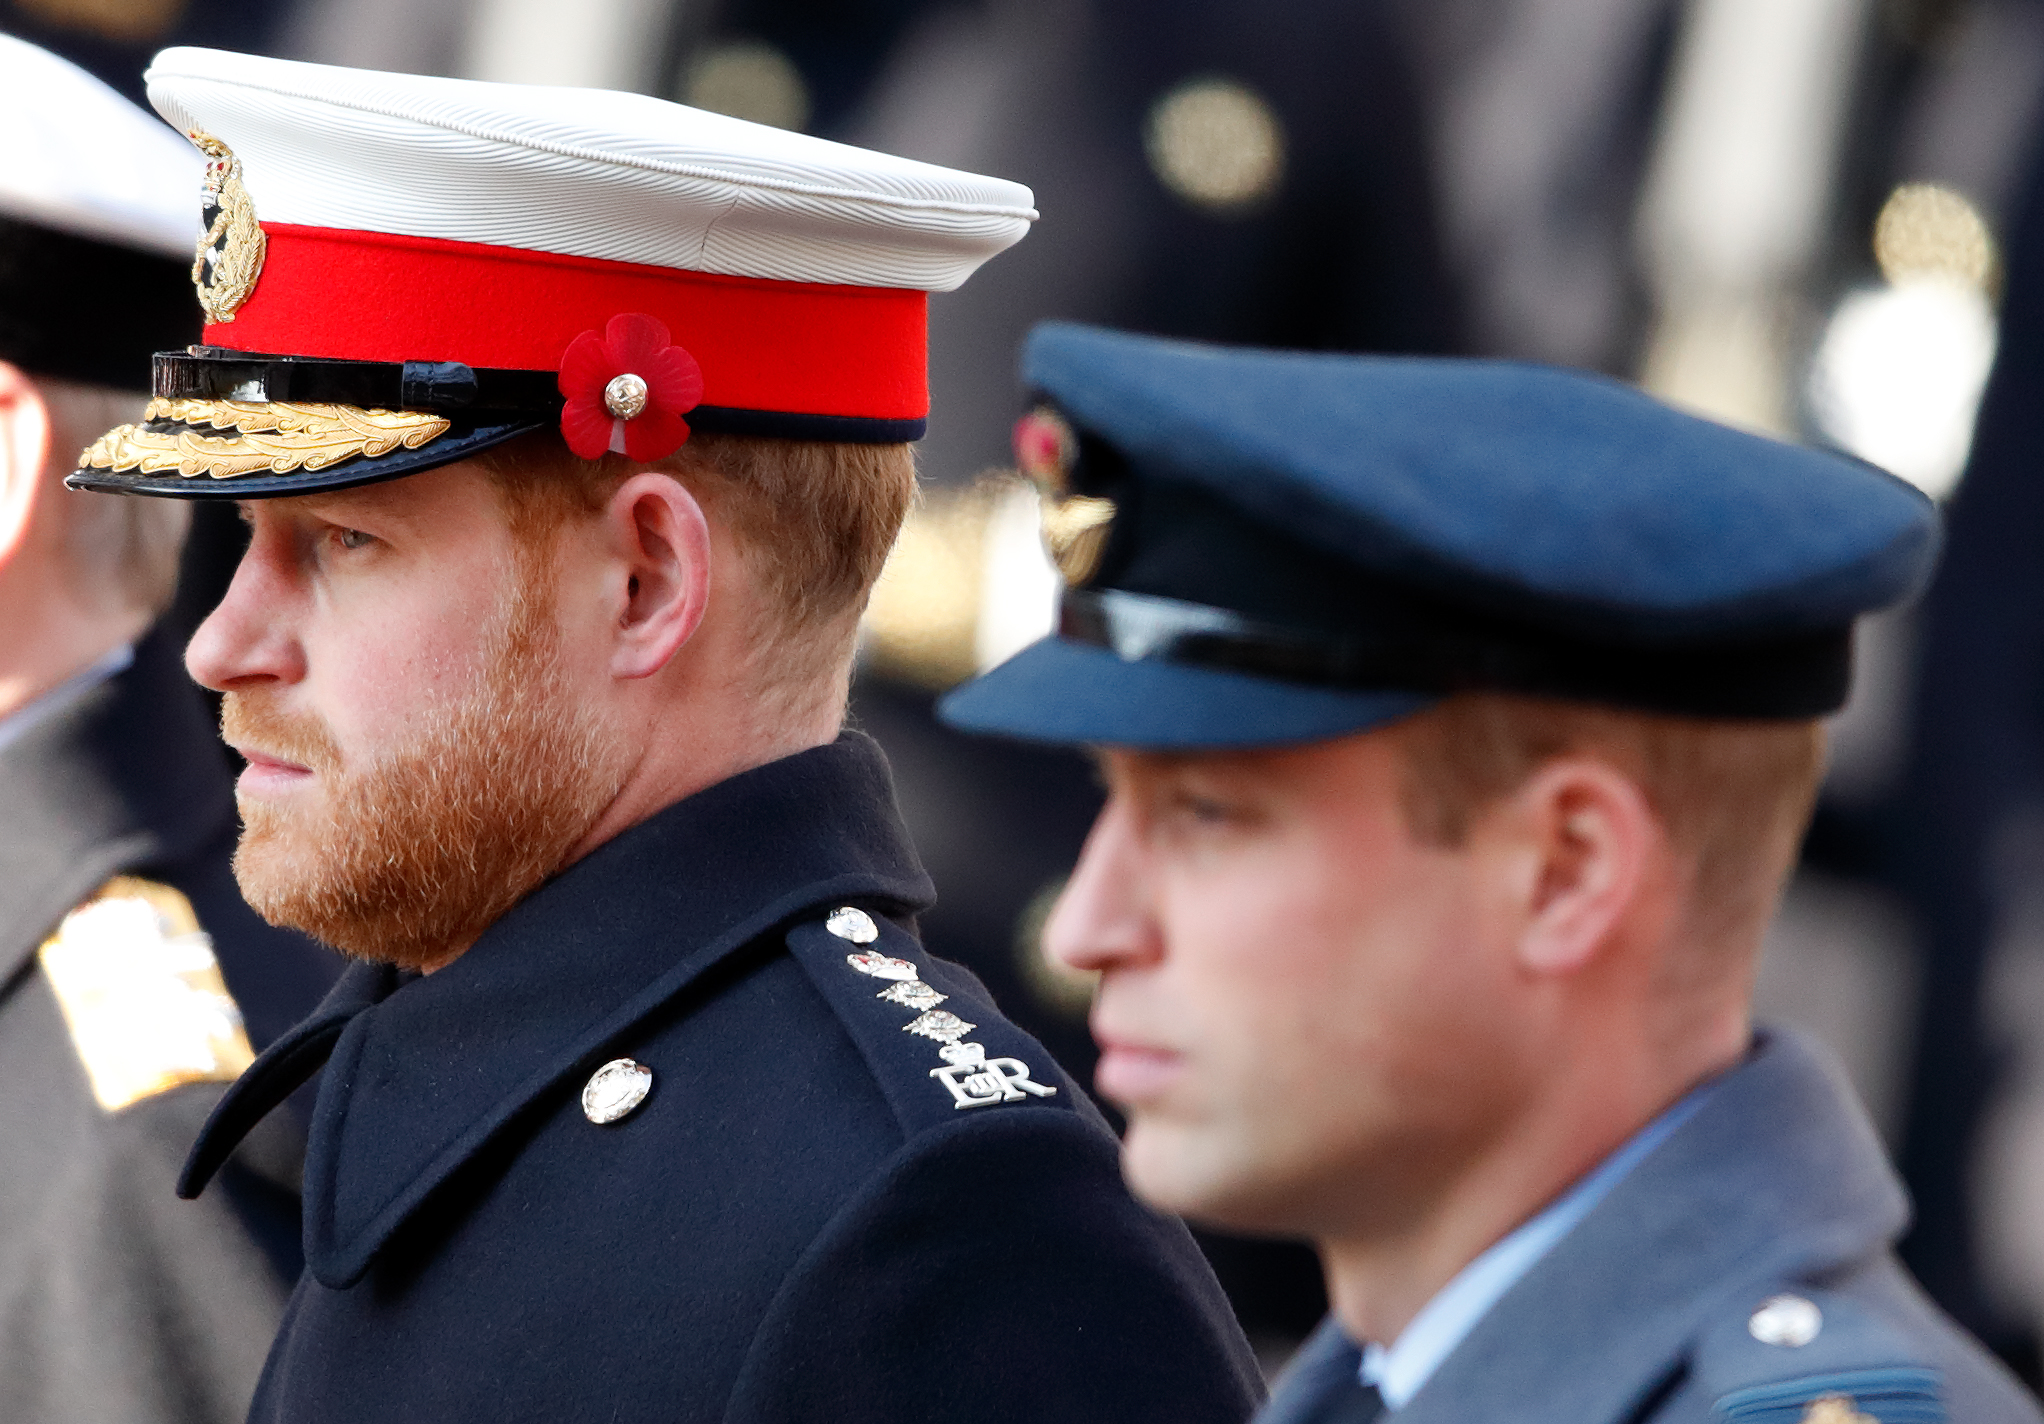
(1796, 215)
(134, 982)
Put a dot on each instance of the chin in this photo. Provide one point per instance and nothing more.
(1200, 1174)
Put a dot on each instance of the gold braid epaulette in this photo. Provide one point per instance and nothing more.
(276, 438)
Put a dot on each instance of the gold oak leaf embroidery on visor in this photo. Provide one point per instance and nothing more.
(276, 438)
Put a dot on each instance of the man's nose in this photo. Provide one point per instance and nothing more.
(1103, 920)
(250, 636)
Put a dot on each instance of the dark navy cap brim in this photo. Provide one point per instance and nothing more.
(1067, 692)
(469, 437)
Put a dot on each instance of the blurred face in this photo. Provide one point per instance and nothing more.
(422, 745)
(1303, 1011)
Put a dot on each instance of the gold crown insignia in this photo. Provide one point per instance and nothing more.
(231, 250)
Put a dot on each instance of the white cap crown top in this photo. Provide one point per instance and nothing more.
(82, 159)
(583, 172)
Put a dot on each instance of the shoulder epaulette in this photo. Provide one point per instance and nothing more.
(1801, 1356)
(935, 1047)
(141, 992)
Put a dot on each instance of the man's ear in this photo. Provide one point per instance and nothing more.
(663, 538)
(25, 434)
(1588, 843)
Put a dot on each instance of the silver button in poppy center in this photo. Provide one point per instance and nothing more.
(625, 396)
(615, 1090)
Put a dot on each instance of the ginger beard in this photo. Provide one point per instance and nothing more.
(409, 858)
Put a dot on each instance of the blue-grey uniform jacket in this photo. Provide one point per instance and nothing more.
(120, 1304)
(838, 1202)
(1777, 1187)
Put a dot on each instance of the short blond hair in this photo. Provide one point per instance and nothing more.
(816, 519)
(1734, 796)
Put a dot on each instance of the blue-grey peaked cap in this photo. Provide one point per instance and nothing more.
(1504, 525)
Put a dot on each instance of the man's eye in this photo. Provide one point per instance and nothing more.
(353, 538)
(1206, 810)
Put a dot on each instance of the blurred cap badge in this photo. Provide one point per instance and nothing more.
(1835, 1409)
(1075, 526)
(231, 250)
(1046, 449)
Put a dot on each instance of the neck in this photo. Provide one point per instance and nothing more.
(1585, 1108)
(696, 744)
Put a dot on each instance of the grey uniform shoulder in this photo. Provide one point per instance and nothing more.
(932, 1038)
(1797, 1355)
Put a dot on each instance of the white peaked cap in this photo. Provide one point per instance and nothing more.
(583, 172)
(81, 159)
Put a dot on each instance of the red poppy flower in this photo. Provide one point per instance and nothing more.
(627, 390)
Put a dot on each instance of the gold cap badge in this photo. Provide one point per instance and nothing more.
(231, 250)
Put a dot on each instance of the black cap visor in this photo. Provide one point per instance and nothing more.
(1063, 691)
(465, 437)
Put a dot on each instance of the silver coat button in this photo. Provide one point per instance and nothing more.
(850, 922)
(615, 1089)
(1786, 1320)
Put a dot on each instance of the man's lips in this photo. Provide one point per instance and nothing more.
(267, 773)
(1134, 1073)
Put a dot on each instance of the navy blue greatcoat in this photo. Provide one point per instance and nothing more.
(1644, 1313)
(800, 1222)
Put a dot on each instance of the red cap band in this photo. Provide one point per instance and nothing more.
(800, 347)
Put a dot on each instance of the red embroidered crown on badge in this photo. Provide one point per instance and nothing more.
(627, 389)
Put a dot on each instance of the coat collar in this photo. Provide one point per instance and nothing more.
(425, 1071)
(1778, 1176)
(127, 775)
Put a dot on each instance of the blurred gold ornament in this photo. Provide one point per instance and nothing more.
(1075, 530)
(135, 978)
(128, 21)
(750, 80)
(1217, 144)
(1928, 231)
(923, 618)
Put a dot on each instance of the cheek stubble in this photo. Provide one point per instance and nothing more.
(408, 859)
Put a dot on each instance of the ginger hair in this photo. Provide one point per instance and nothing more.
(1733, 796)
(815, 520)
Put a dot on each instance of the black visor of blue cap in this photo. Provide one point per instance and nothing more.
(1292, 547)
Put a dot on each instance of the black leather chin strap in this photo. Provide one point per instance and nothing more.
(447, 387)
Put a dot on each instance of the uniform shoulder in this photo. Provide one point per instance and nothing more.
(135, 978)
(927, 1030)
(1791, 1354)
